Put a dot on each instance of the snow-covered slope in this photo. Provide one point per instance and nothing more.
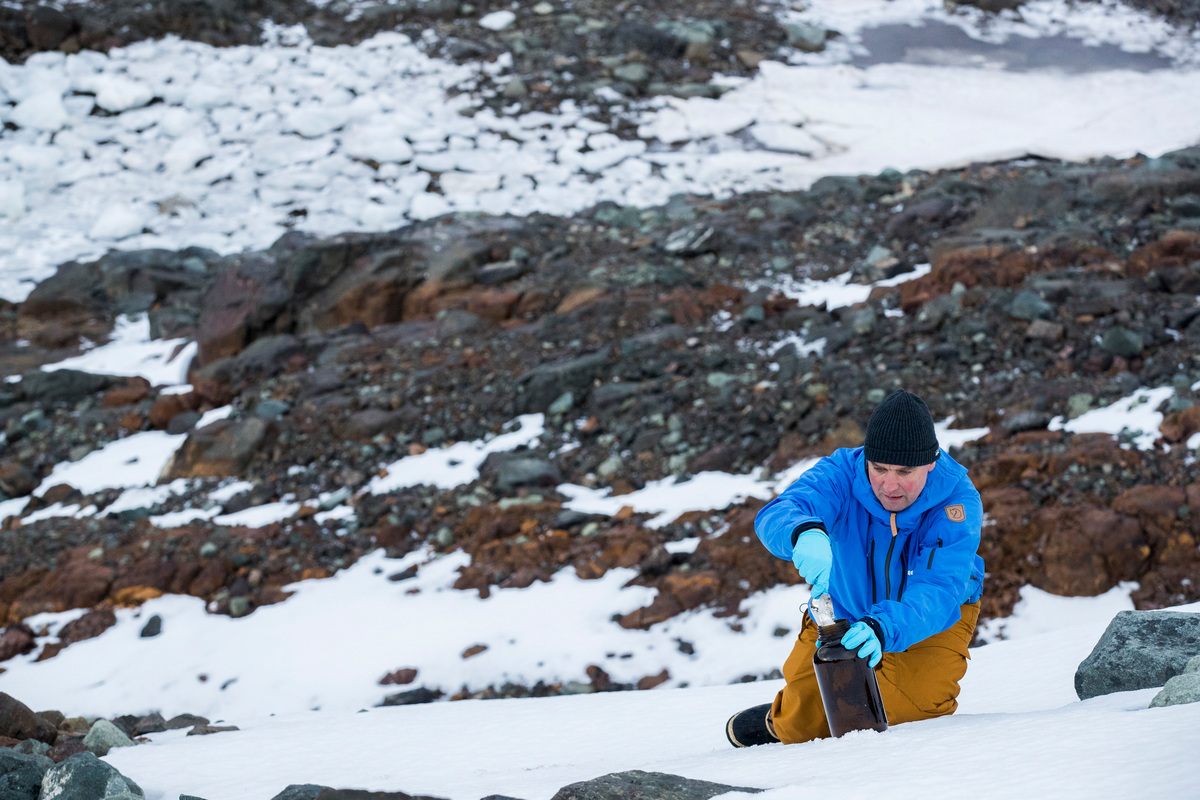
(1019, 732)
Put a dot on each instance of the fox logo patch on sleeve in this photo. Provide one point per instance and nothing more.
(956, 513)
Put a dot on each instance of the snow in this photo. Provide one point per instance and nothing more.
(456, 465)
(246, 136)
(1137, 413)
(132, 462)
(131, 352)
(313, 662)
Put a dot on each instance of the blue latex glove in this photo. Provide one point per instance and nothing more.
(860, 637)
(813, 558)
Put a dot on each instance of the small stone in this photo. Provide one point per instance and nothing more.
(719, 380)
(152, 628)
(754, 314)
(515, 89)
(185, 721)
(1044, 330)
(806, 38)
(543, 8)
(1122, 342)
(272, 409)
(206, 730)
(750, 58)
(1030, 306)
(1079, 404)
(104, 736)
(239, 606)
(1179, 690)
(632, 73)
(411, 697)
(445, 536)
(561, 406)
(610, 466)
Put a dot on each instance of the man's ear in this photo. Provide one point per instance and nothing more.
(932, 464)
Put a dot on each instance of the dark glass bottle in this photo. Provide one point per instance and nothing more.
(849, 690)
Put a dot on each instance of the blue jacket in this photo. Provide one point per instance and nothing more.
(911, 584)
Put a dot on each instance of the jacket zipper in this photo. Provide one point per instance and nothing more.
(903, 574)
(871, 562)
(887, 562)
(932, 553)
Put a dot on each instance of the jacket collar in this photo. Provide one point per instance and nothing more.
(938, 487)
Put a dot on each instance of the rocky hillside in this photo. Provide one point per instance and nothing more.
(656, 343)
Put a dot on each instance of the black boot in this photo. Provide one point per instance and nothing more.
(750, 727)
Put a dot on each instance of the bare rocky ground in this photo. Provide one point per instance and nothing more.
(1055, 288)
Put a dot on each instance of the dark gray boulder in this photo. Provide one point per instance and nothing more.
(1139, 650)
(300, 791)
(639, 785)
(64, 385)
(21, 775)
(513, 470)
(85, 777)
(543, 384)
(362, 794)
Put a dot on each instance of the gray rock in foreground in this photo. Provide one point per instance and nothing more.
(21, 775)
(1179, 690)
(85, 777)
(1139, 650)
(639, 785)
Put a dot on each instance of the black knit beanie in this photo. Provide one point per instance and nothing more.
(901, 432)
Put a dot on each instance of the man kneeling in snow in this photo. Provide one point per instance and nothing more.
(890, 531)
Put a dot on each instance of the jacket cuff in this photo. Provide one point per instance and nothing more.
(874, 625)
(807, 526)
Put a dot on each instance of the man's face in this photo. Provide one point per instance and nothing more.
(897, 487)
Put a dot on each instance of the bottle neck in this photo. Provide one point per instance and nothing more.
(832, 634)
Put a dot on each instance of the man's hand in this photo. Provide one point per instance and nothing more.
(813, 558)
(860, 637)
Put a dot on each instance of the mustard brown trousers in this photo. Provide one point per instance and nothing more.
(918, 683)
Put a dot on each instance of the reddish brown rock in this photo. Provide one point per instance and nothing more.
(89, 626)
(400, 677)
(79, 583)
(16, 479)
(368, 299)
(222, 449)
(150, 573)
(678, 592)
(1157, 505)
(60, 493)
(15, 641)
(474, 650)
(212, 577)
(1181, 425)
(66, 748)
(1087, 549)
(650, 681)
(167, 407)
(18, 721)
(135, 390)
